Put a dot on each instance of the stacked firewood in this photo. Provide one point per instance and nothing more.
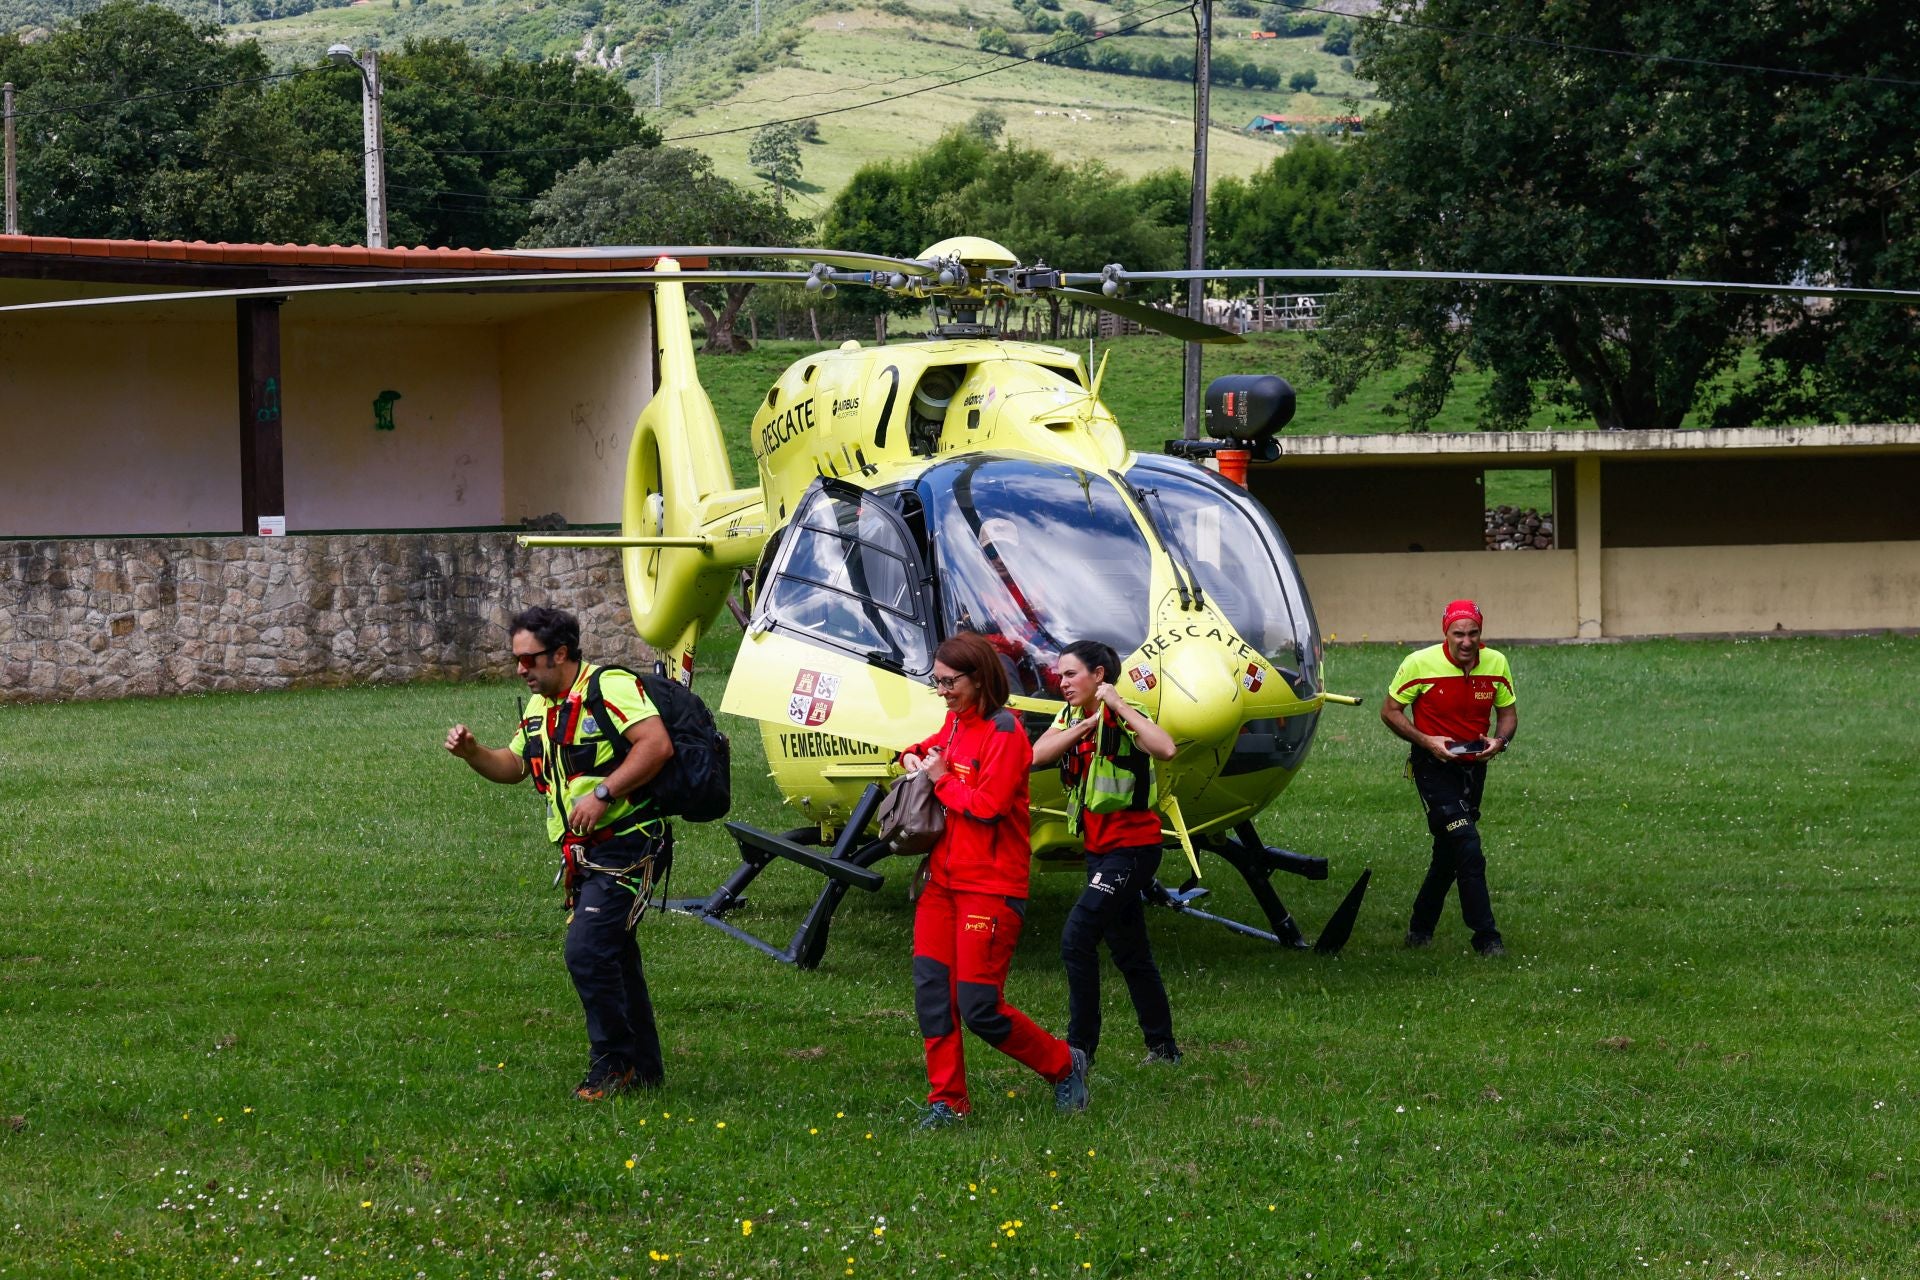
(1518, 529)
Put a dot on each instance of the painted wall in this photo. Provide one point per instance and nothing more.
(1807, 587)
(439, 467)
(1398, 596)
(120, 425)
(1645, 591)
(572, 384)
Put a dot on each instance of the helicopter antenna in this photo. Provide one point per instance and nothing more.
(1093, 393)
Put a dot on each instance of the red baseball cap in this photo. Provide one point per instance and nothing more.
(1457, 609)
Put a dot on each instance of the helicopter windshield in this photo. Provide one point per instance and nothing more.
(1003, 532)
(846, 575)
(1242, 562)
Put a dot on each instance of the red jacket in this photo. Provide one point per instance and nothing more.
(988, 845)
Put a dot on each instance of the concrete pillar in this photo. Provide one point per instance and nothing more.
(1587, 549)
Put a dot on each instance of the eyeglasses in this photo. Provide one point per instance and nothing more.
(944, 683)
(527, 661)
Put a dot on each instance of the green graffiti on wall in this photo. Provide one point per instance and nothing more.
(383, 410)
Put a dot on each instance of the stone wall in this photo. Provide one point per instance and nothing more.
(111, 617)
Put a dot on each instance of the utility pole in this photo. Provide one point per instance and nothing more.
(372, 137)
(13, 190)
(1197, 210)
(756, 19)
(658, 58)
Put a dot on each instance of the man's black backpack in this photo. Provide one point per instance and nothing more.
(697, 783)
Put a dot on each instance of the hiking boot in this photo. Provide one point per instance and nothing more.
(939, 1116)
(1162, 1055)
(606, 1079)
(1492, 950)
(1416, 941)
(1071, 1094)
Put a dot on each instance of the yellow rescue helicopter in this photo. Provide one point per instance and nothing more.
(967, 482)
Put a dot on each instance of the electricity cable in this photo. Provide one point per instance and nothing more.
(76, 108)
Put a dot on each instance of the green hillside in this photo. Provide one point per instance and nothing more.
(876, 76)
(881, 55)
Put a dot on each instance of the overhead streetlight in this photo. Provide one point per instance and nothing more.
(373, 141)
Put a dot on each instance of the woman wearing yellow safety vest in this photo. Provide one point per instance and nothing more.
(1106, 749)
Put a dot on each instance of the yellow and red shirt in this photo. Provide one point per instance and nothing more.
(1447, 701)
(566, 749)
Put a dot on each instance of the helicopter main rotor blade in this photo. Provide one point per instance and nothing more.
(1490, 277)
(427, 284)
(843, 259)
(1186, 328)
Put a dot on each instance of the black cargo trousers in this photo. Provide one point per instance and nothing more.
(603, 958)
(1450, 793)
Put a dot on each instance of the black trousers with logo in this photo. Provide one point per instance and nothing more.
(603, 957)
(1450, 793)
(1112, 910)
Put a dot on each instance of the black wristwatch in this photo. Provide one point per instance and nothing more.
(603, 795)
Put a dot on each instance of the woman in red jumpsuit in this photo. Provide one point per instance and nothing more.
(975, 899)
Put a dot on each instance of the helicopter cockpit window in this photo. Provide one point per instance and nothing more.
(1034, 556)
(1240, 559)
(845, 576)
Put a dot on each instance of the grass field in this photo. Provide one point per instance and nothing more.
(282, 995)
(1135, 125)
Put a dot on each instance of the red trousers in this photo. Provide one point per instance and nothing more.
(962, 946)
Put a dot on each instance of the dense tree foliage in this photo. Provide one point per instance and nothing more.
(136, 123)
(118, 138)
(666, 196)
(471, 143)
(1039, 207)
(1293, 213)
(1516, 144)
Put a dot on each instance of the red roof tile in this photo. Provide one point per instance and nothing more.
(316, 255)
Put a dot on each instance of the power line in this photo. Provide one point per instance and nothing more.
(1543, 43)
(78, 107)
(463, 195)
(630, 107)
(1012, 62)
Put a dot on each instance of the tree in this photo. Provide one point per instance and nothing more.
(1040, 208)
(1550, 157)
(469, 143)
(987, 124)
(151, 153)
(665, 195)
(774, 154)
(1303, 81)
(1293, 213)
(117, 139)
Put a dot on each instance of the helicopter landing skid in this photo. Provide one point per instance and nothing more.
(847, 865)
(1256, 861)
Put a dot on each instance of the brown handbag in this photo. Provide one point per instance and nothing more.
(911, 818)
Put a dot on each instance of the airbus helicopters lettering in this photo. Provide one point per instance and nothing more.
(968, 482)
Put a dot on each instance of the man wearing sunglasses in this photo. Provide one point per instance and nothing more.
(591, 742)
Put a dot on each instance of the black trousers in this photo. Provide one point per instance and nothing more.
(1450, 793)
(1112, 910)
(604, 958)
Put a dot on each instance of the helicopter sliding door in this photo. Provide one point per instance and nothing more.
(1033, 556)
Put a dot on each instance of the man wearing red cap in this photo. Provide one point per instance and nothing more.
(1453, 688)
